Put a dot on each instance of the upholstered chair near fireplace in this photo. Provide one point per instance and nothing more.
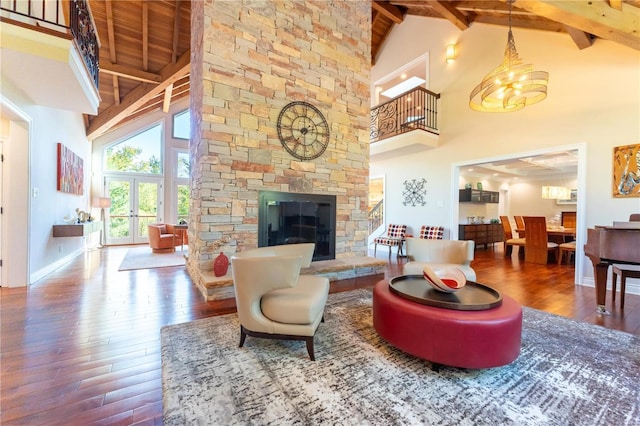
(273, 300)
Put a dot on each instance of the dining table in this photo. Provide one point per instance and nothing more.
(552, 230)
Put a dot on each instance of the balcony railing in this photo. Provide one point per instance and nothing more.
(50, 14)
(416, 109)
(376, 216)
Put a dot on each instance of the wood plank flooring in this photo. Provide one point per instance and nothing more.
(82, 346)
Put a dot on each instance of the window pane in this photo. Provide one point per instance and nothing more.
(138, 154)
(181, 125)
(182, 171)
(183, 202)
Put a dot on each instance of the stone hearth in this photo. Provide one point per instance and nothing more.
(217, 288)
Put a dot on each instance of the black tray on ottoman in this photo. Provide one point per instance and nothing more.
(471, 297)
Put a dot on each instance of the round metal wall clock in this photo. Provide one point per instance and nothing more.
(303, 130)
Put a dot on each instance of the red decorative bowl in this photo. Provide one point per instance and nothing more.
(446, 280)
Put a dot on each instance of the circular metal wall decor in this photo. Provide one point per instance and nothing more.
(303, 130)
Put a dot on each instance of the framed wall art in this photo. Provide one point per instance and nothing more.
(626, 171)
(70, 171)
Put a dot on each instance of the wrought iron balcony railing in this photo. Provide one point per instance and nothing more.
(416, 109)
(376, 216)
(51, 14)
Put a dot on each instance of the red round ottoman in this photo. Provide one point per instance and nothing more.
(466, 339)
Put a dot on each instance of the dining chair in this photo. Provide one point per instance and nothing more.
(395, 237)
(537, 245)
(431, 232)
(568, 249)
(520, 226)
(509, 241)
(568, 219)
(625, 271)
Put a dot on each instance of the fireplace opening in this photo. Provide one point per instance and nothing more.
(292, 218)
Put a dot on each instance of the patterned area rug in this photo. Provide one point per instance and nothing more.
(144, 258)
(568, 373)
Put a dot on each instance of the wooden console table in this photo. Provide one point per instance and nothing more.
(77, 229)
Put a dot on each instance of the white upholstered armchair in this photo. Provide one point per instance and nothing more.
(273, 300)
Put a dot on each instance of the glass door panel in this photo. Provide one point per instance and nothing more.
(134, 204)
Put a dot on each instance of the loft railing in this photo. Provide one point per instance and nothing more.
(50, 14)
(376, 216)
(416, 109)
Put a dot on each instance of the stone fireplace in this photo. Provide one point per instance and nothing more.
(248, 60)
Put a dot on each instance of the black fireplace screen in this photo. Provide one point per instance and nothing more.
(292, 218)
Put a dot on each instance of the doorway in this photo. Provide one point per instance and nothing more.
(581, 155)
(135, 203)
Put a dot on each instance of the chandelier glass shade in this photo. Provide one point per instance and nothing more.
(512, 85)
(556, 192)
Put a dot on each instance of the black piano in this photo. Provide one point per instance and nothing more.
(611, 244)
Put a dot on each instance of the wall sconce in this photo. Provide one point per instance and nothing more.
(451, 53)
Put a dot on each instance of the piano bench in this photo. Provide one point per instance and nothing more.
(625, 271)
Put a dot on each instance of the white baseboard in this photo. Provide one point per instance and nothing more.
(633, 285)
(42, 272)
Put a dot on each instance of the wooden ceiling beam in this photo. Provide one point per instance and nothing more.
(594, 17)
(580, 38)
(145, 36)
(390, 11)
(112, 51)
(176, 33)
(450, 13)
(166, 102)
(616, 4)
(139, 96)
(130, 73)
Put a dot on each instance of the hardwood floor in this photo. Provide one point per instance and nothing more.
(82, 346)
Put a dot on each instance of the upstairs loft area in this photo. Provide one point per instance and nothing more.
(56, 36)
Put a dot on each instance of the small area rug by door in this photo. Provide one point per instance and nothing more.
(144, 258)
(568, 373)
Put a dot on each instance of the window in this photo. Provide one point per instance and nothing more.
(140, 153)
(183, 168)
(181, 125)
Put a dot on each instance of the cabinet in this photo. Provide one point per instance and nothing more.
(470, 195)
(481, 233)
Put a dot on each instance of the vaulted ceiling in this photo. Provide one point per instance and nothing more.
(584, 21)
(145, 44)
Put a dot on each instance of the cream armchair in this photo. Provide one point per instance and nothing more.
(439, 254)
(273, 300)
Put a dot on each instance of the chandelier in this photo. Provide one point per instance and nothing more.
(512, 85)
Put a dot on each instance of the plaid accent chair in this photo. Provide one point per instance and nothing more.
(395, 237)
(432, 232)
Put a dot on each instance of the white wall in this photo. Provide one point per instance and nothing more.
(593, 101)
(33, 178)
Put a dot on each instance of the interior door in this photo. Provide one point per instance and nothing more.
(135, 202)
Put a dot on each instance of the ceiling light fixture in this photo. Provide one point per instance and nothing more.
(512, 85)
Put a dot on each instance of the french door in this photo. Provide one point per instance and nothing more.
(135, 202)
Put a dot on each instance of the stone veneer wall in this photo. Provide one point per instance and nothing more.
(249, 59)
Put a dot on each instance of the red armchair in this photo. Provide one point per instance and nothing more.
(164, 237)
